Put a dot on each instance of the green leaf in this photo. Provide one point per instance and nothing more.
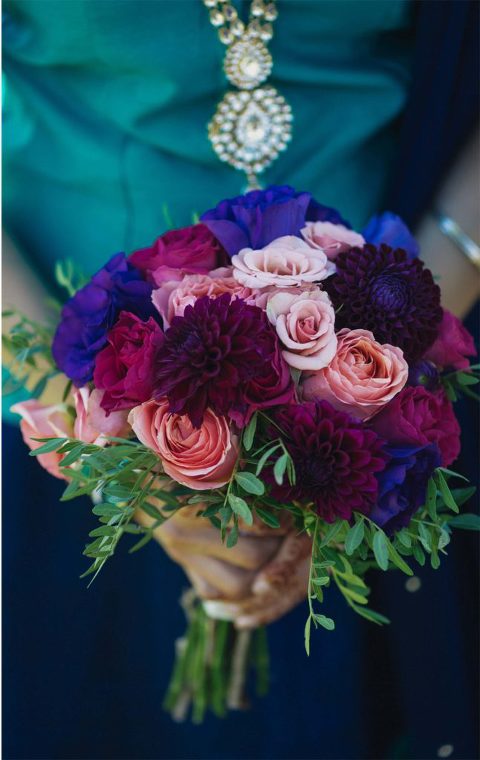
(279, 468)
(241, 508)
(354, 536)
(325, 622)
(445, 491)
(232, 536)
(267, 517)
(431, 502)
(322, 580)
(331, 533)
(265, 456)
(467, 521)
(152, 511)
(418, 554)
(250, 483)
(374, 617)
(380, 549)
(466, 378)
(452, 473)
(404, 538)
(141, 543)
(462, 495)
(249, 433)
(307, 634)
(397, 560)
(52, 445)
(425, 537)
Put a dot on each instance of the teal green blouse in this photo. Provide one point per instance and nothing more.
(107, 101)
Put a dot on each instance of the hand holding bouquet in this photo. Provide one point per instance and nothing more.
(269, 394)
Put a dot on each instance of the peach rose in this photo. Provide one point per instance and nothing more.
(363, 376)
(305, 324)
(92, 424)
(39, 421)
(286, 262)
(330, 238)
(172, 297)
(200, 458)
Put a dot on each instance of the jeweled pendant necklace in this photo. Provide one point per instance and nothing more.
(252, 124)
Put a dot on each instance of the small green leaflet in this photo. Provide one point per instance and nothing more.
(241, 508)
(250, 483)
(380, 549)
(307, 635)
(279, 468)
(466, 521)
(354, 537)
(267, 517)
(331, 533)
(249, 433)
(445, 491)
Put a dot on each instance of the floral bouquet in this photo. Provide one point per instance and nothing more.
(264, 371)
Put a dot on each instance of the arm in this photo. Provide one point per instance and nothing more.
(459, 198)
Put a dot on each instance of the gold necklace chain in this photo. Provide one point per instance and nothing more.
(251, 125)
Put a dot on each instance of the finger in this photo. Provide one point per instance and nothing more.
(279, 605)
(277, 573)
(230, 582)
(200, 537)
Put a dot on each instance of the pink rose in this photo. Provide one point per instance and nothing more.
(172, 297)
(199, 458)
(286, 262)
(305, 324)
(92, 424)
(418, 417)
(39, 421)
(190, 250)
(363, 376)
(332, 239)
(125, 368)
(453, 344)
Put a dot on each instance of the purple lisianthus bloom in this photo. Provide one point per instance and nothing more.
(388, 228)
(92, 311)
(336, 458)
(223, 354)
(424, 373)
(255, 219)
(402, 486)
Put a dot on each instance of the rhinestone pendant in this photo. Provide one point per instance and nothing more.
(247, 63)
(250, 129)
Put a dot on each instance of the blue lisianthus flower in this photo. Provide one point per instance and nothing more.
(388, 228)
(88, 316)
(402, 485)
(424, 373)
(255, 219)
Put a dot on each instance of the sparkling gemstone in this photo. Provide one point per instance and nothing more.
(250, 137)
(247, 63)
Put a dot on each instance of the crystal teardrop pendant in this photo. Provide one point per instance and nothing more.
(247, 63)
(250, 129)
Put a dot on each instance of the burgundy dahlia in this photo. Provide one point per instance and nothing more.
(335, 458)
(382, 290)
(224, 355)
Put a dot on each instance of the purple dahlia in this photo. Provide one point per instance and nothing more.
(382, 290)
(336, 459)
(403, 485)
(224, 355)
(88, 316)
(255, 219)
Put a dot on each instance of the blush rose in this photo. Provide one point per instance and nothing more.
(305, 324)
(92, 424)
(330, 238)
(199, 458)
(172, 297)
(39, 421)
(286, 262)
(363, 376)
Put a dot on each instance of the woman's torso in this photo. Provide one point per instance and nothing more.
(107, 104)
